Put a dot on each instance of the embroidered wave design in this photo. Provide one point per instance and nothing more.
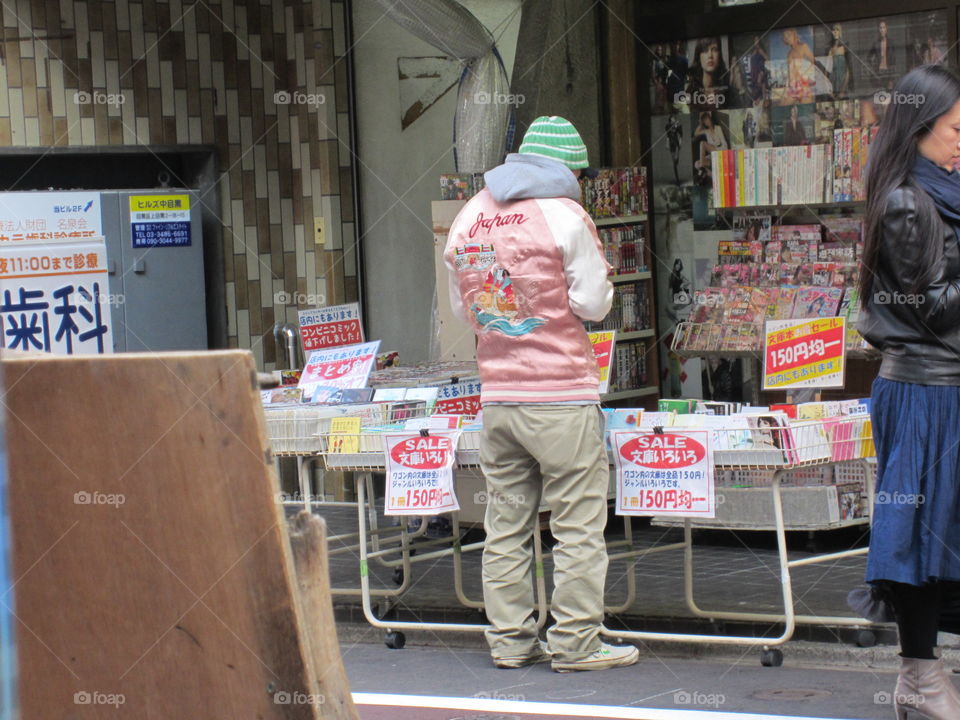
(492, 322)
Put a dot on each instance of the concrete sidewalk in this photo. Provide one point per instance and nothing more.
(814, 681)
(733, 571)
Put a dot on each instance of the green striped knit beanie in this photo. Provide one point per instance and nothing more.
(555, 138)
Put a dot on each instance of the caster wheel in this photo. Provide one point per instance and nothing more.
(395, 640)
(866, 639)
(398, 576)
(771, 658)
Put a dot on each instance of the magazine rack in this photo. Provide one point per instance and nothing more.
(365, 457)
(846, 440)
(840, 442)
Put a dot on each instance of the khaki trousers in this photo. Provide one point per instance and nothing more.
(554, 452)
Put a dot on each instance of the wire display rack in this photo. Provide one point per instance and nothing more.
(769, 454)
(364, 455)
(751, 456)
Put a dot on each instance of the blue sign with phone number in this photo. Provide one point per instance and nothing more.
(161, 234)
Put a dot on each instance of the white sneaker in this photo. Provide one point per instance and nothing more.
(606, 656)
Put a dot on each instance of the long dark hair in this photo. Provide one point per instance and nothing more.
(695, 73)
(892, 156)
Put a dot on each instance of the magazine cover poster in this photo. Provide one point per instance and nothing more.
(792, 66)
(926, 38)
(708, 134)
(658, 56)
(793, 124)
(835, 60)
(879, 47)
(677, 67)
(749, 127)
(751, 227)
(671, 149)
(708, 75)
(749, 78)
(835, 115)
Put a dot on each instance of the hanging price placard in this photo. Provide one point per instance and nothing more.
(804, 353)
(670, 473)
(420, 472)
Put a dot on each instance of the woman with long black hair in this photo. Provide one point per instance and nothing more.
(910, 286)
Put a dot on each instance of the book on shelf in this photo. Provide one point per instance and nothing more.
(616, 192)
(624, 248)
(771, 176)
(460, 186)
(629, 368)
(632, 308)
(851, 148)
(732, 319)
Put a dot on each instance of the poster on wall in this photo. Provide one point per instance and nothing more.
(56, 298)
(708, 75)
(792, 67)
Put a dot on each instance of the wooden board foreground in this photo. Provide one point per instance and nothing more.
(153, 572)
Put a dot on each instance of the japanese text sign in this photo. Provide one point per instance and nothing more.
(330, 326)
(160, 220)
(462, 398)
(49, 217)
(602, 342)
(339, 368)
(420, 472)
(804, 353)
(669, 473)
(56, 298)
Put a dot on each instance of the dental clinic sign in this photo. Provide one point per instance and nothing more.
(54, 289)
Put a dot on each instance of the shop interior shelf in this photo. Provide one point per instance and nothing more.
(627, 394)
(626, 277)
(621, 220)
(635, 334)
(790, 206)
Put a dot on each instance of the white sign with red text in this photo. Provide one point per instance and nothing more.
(668, 473)
(335, 369)
(420, 472)
(330, 326)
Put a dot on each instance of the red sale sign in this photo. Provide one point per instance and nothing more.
(669, 473)
(663, 451)
(420, 472)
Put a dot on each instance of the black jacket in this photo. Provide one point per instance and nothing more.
(918, 331)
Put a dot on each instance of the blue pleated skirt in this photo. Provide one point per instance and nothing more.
(916, 517)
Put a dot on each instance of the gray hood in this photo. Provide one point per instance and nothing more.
(530, 176)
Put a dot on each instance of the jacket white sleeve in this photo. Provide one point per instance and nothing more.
(585, 267)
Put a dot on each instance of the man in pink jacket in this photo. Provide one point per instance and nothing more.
(526, 268)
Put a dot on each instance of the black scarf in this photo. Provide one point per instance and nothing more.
(943, 188)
